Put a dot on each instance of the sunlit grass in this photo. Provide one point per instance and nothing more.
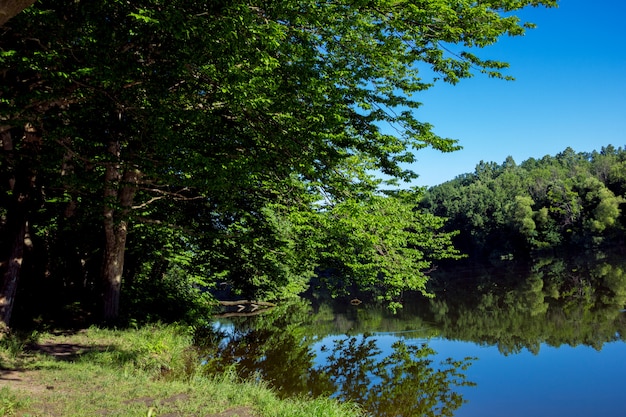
(11, 403)
(150, 371)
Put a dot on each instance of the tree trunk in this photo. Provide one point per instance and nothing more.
(10, 8)
(21, 182)
(113, 268)
(11, 276)
(119, 191)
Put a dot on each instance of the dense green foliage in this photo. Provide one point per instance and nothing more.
(385, 246)
(197, 143)
(571, 200)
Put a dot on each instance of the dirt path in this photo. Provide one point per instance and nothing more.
(27, 380)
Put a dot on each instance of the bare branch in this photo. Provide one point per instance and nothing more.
(145, 204)
(177, 195)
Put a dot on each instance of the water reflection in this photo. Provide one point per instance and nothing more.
(516, 307)
(323, 349)
(404, 380)
(274, 347)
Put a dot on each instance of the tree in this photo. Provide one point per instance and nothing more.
(522, 216)
(554, 202)
(603, 206)
(20, 194)
(229, 103)
(382, 245)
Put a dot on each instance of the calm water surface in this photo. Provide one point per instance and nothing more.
(548, 341)
(565, 381)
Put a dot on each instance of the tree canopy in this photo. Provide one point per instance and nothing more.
(216, 138)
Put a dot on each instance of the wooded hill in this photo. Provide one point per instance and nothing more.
(568, 201)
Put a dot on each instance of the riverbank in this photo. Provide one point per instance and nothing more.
(153, 371)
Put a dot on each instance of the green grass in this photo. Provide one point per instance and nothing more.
(146, 372)
(10, 402)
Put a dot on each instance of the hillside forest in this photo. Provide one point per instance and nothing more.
(567, 202)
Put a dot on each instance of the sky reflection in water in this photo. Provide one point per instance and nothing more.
(564, 381)
(531, 339)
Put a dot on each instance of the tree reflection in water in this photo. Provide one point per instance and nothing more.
(553, 301)
(514, 306)
(402, 381)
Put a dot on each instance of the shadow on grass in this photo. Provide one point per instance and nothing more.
(69, 351)
(19, 351)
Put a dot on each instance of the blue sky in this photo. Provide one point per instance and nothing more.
(570, 90)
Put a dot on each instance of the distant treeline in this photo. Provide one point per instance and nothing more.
(571, 200)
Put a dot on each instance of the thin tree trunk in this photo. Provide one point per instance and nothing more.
(119, 191)
(21, 182)
(113, 268)
(11, 276)
(7, 265)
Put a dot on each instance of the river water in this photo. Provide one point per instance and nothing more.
(545, 339)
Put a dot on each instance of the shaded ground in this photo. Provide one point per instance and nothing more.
(28, 380)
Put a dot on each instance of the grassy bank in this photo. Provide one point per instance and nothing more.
(153, 371)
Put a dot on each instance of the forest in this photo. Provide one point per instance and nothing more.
(154, 151)
(567, 202)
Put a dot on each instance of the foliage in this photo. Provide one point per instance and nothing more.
(203, 135)
(171, 298)
(569, 200)
(382, 245)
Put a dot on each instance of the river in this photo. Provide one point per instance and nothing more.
(540, 339)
